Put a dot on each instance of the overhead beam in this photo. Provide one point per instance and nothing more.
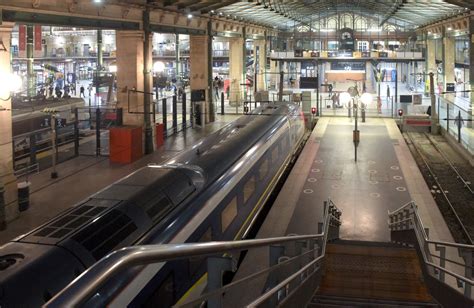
(175, 30)
(68, 21)
(460, 3)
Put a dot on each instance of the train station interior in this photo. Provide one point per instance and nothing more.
(254, 153)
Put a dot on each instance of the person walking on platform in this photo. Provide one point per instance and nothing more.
(330, 90)
(388, 93)
(82, 92)
(334, 99)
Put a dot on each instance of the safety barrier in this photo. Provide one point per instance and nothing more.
(448, 263)
(309, 248)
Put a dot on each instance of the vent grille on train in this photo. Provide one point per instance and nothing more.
(104, 234)
(71, 221)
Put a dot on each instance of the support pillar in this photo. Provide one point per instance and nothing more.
(133, 78)
(210, 116)
(147, 83)
(449, 54)
(8, 185)
(471, 68)
(100, 54)
(236, 69)
(30, 75)
(200, 56)
(430, 56)
(177, 55)
(260, 63)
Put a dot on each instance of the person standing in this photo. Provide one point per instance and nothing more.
(82, 92)
(215, 84)
(330, 90)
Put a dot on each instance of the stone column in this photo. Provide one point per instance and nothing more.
(177, 56)
(130, 75)
(430, 56)
(449, 54)
(199, 58)
(100, 52)
(260, 62)
(29, 58)
(8, 186)
(471, 67)
(236, 68)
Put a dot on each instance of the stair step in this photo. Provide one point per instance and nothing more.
(372, 271)
(364, 250)
(367, 243)
(334, 301)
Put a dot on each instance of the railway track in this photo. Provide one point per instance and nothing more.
(450, 185)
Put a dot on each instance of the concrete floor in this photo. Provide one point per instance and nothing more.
(384, 178)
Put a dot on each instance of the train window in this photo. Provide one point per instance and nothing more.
(164, 295)
(275, 154)
(283, 142)
(263, 171)
(249, 188)
(228, 214)
(207, 236)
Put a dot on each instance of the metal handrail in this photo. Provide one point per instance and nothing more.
(414, 220)
(288, 280)
(229, 286)
(27, 170)
(84, 286)
(415, 212)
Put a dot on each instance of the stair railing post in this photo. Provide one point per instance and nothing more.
(467, 255)
(442, 260)
(275, 255)
(299, 245)
(215, 267)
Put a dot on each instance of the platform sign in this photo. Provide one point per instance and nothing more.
(308, 82)
(38, 37)
(21, 37)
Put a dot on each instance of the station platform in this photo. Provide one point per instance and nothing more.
(85, 175)
(384, 178)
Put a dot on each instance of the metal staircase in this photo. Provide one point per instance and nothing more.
(371, 274)
(311, 270)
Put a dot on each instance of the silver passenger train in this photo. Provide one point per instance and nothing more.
(212, 192)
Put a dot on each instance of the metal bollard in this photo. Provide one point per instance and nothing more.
(222, 103)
